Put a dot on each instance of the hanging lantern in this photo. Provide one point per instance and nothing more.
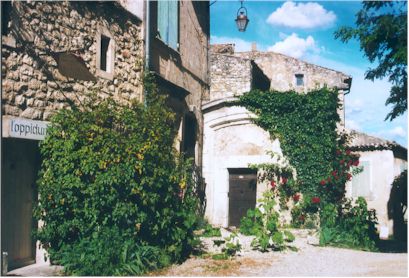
(242, 20)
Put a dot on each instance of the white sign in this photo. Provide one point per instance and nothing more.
(24, 128)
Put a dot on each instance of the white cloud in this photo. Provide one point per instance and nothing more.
(239, 44)
(351, 124)
(354, 106)
(300, 15)
(295, 46)
(398, 132)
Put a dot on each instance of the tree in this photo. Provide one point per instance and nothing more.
(381, 28)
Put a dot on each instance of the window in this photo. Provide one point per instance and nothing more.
(105, 54)
(299, 79)
(168, 22)
(361, 183)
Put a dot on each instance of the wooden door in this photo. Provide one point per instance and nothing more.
(20, 163)
(242, 193)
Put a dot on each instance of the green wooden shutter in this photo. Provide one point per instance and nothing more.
(163, 18)
(361, 186)
(173, 24)
(168, 22)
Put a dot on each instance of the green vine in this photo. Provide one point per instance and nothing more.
(305, 124)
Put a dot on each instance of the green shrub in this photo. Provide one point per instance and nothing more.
(349, 225)
(263, 222)
(209, 230)
(106, 166)
(252, 222)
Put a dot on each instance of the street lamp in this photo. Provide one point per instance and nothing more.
(242, 20)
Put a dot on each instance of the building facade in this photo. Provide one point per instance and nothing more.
(381, 161)
(55, 53)
(231, 140)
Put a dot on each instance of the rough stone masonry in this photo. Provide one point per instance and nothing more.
(37, 32)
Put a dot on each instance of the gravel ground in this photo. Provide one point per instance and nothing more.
(309, 260)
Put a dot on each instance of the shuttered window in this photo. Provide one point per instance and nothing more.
(168, 22)
(361, 183)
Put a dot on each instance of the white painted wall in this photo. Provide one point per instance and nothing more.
(384, 167)
(231, 141)
(134, 6)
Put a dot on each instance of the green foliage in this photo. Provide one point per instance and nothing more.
(305, 124)
(252, 222)
(289, 237)
(318, 167)
(232, 245)
(263, 222)
(210, 231)
(280, 176)
(348, 225)
(107, 253)
(381, 28)
(107, 165)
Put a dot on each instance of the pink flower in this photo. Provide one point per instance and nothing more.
(338, 152)
(315, 200)
(342, 161)
(296, 197)
(355, 163)
(284, 180)
(323, 182)
(348, 152)
(349, 176)
(273, 184)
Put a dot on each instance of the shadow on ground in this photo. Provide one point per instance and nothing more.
(392, 246)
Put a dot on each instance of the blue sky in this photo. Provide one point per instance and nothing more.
(305, 30)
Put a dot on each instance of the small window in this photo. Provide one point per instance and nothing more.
(105, 54)
(299, 79)
(361, 183)
(168, 22)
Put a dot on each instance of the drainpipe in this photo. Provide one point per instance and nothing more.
(147, 45)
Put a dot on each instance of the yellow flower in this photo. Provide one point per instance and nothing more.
(182, 184)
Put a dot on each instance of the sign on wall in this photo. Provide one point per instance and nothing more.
(24, 128)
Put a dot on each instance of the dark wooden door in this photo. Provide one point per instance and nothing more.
(242, 194)
(19, 173)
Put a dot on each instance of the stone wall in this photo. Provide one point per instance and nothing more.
(38, 32)
(229, 76)
(281, 70)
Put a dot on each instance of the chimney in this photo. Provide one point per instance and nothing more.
(253, 46)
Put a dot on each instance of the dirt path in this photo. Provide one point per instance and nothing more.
(309, 260)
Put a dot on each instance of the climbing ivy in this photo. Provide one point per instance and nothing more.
(305, 124)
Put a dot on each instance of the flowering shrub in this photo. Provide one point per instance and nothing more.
(305, 124)
(109, 166)
(281, 178)
(332, 186)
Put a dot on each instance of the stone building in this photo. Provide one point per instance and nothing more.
(231, 140)
(54, 53)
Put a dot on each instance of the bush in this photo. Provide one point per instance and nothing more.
(108, 166)
(263, 222)
(107, 253)
(348, 225)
